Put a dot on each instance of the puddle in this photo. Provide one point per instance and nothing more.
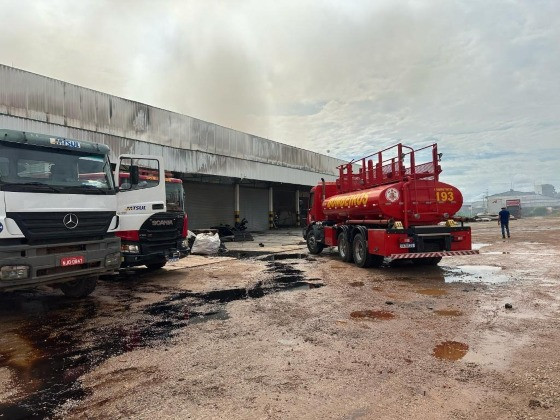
(541, 254)
(356, 284)
(48, 341)
(448, 312)
(268, 256)
(281, 257)
(450, 350)
(369, 314)
(247, 254)
(475, 274)
(432, 292)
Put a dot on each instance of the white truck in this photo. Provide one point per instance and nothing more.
(60, 211)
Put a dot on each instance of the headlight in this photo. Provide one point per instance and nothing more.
(113, 259)
(130, 249)
(14, 272)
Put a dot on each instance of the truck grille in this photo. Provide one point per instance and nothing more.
(44, 228)
(160, 232)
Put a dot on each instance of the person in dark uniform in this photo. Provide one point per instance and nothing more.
(504, 222)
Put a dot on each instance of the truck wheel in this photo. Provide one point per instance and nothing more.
(78, 288)
(156, 266)
(313, 245)
(344, 248)
(362, 258)
(426, 261)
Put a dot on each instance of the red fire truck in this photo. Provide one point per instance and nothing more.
(387, 205)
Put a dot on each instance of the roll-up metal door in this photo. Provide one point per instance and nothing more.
(253, 206)
(209, 204)
(285, 206)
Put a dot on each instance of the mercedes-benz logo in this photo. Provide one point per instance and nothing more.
(70, 221)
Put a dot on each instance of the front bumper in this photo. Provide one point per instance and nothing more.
(133, 260)
(44, 261)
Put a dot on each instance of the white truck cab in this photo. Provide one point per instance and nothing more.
(59, 212)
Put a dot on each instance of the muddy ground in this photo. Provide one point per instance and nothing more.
(298, 336)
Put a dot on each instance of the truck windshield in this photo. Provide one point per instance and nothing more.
(28, 168)
(174, 196)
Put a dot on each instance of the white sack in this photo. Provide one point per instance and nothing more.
(206, 244)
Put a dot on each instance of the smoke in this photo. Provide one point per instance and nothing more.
(478, 77)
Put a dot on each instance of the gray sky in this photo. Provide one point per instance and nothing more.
(481, 78)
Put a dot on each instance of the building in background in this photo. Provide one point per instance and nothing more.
(519, 203)
(546, 189)
(227, 174)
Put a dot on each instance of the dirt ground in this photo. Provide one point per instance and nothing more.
(298, 336)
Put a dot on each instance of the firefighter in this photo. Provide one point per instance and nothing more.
(503, 220)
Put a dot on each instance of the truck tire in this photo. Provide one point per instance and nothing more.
(426, 261)
(362, 257)
(344, 248)
(79, 288)
(156, 266)
(313, 245)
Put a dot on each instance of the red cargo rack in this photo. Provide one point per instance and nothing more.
(381, 169)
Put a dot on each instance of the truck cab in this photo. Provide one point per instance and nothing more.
(60, 211)
(56, 228)
(152, 233)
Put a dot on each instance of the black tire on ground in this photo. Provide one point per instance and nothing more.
(312, 244)
(344, 248)
(426, 261)
(79, 288)
(156, 266)
(362, 258)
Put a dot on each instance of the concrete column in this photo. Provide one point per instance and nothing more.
(270, 208)
(297, 209)
(236, 204)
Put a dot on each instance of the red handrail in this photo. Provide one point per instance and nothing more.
(388, 170)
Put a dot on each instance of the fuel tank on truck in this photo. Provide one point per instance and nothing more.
(425, 202)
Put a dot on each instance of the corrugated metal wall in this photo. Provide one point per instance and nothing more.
(188, 144)
(209, 204)
(253, 206)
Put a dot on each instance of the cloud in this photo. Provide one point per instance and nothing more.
(480, 78)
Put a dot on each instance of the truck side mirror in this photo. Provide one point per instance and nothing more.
(134, 175)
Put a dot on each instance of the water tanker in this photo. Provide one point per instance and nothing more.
(388, 207)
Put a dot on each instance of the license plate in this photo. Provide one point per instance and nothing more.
(174, 257)
(408, 245)
(67, 261)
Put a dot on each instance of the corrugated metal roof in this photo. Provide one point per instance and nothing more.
(41, 104)
(179, 160)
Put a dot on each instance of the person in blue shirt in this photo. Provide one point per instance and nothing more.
(504, 222)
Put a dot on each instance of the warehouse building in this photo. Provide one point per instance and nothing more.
(519, 203)
(226, 173)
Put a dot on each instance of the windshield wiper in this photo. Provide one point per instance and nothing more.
(31, 184)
